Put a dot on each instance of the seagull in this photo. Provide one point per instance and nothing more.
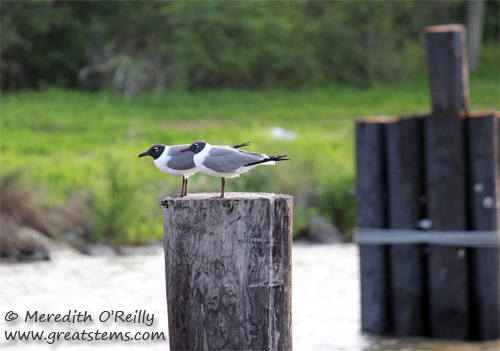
(227, 162)
(169, 160)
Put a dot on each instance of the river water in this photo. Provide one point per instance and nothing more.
(325, 303)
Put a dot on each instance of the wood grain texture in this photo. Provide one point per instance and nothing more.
(482, 154)
(445, 181)
(405, 157)
(371, 206)
(228, 271)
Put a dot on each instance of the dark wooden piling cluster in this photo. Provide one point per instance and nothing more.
(228, 271)
(437, 172)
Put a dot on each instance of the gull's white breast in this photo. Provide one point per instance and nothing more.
(161, 164)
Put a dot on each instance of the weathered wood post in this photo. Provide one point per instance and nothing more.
(228, 271)
(445, 179)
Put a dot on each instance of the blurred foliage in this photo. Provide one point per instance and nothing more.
(119, 212)
(131, 46)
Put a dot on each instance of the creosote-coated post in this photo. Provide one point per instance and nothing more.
(484, 262)
(405, 173)
(371, 206)
(228, 271)
(445, 179)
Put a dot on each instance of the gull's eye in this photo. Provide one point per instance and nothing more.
(196, 145)
(155, 149)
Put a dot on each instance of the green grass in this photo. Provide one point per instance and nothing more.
(65, 141)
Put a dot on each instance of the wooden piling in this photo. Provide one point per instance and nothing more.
(405, 174)
(371, 206)
(228, 271)
(445, 179)
(447, 67)
(484, 262)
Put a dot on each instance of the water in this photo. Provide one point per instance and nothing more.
(325, 302)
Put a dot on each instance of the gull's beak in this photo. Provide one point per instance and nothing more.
(143, 154)
(184, 150)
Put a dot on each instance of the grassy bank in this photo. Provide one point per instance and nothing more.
(69, 143)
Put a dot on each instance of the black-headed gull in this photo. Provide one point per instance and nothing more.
(169, 160)
(226, 162)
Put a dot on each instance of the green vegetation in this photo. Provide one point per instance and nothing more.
(65, 141)
(133, 46)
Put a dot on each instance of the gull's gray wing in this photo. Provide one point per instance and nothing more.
(228, 160)
(178, 160)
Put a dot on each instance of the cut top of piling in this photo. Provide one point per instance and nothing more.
(445, 28)
(227, 196)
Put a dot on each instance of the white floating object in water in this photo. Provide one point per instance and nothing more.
(279, 133)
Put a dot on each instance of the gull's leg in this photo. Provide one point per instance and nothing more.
(223, 186)
(183, 186)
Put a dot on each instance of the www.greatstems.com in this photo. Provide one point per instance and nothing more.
(88, 336)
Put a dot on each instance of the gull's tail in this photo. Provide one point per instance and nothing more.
(269, 160)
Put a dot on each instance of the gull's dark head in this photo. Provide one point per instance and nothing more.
(195, 147)
(154, 151)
